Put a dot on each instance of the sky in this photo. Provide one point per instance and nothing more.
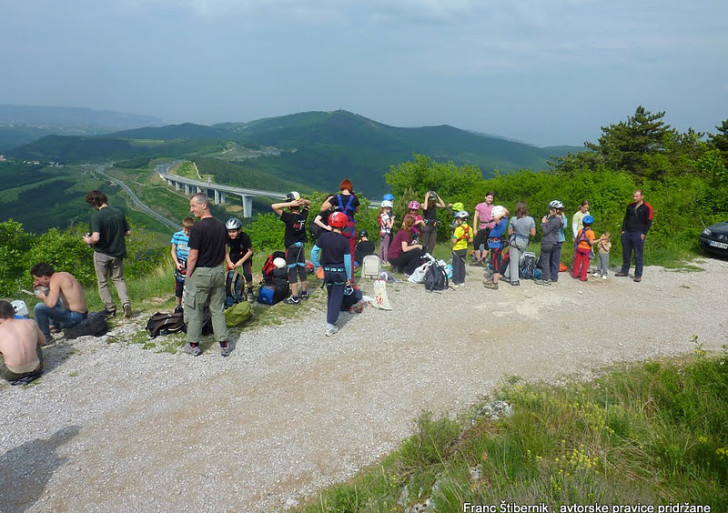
(544, 72)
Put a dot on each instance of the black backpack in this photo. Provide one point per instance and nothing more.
(164, 323)
(233, 288)
(435, 277)
(94, 324)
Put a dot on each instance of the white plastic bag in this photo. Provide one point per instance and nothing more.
(381, 300)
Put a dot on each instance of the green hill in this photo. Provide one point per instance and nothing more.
(317, 149)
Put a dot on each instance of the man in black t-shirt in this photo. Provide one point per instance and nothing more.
(294, 241)
(206, 278)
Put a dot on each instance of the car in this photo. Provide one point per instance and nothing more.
(715, 238)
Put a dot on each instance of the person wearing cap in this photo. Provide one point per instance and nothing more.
(64, 303)
(428, 237)
(20, 341)
(550, 226)
(294, 240)
(363, 248)
(483, 223)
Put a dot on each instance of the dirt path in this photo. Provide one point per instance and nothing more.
(115, 428)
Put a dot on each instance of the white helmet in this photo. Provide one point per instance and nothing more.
(386, 204)
(279, 262)
(498, 211)
(20, 307)
(556, 204)
(463, 214)
(233, 224)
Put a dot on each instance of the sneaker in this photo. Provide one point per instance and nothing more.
(490, 285)
(515, 283)
(638, 279)
(108, 313)
(604, 277)
(226, 348)
(178, 309)
(543, 282)
(251, 296)
(595, 273)
(305, 295)
(127, 310)
(193, 350)
(331, 331)
(621, 274)
(292, 300)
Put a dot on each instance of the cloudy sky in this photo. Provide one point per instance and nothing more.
(540, 71)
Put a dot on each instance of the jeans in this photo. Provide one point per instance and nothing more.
(633, 242)
(384, 246)
(555, 262)
(62, 318)
(547, 255)
(107, 267)
(458, 266)
(335, 282)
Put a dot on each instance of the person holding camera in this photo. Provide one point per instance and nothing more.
(428, 235)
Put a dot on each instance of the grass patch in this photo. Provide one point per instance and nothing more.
(653, 433)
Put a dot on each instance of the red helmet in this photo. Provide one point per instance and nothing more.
(337, 220)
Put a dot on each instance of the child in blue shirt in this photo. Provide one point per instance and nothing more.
(180, 251)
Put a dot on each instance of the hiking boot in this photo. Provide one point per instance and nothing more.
(490, 285)
(193, 350)
(305, 295)
(638, 279)
(178, 309)
(331, 331)
(108, 313)
(292, 300)
(621, 274)
(515, 283)
(226, 348)
(127, 310)
(251, 296)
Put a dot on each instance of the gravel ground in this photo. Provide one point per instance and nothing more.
(118, 428)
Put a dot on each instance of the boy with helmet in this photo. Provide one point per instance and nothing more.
(333, 253)
(461, 237)
(550, 226)
(585, 239)
(240, 253)
(556, 252)
(364, 248)
(180, 251)
(385, 221)
(294, 239)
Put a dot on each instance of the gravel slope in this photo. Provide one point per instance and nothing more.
(116, 428)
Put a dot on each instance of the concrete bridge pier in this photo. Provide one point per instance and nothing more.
(188, 190)
(247, 205)
(219, 197)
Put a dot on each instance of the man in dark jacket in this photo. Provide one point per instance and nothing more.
(636, 224)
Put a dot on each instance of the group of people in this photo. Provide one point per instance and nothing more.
(62, 301)
(205, 251)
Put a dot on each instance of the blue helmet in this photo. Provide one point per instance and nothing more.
(388, 197)
(588, 220)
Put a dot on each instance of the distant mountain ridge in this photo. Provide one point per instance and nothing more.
(314, 148)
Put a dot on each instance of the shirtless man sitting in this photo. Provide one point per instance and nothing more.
(64, 303)
(20, 341)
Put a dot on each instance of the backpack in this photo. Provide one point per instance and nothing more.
(269, 267)
(238, 314)
(233, 288)
(371, 266)
(164, 323)
(528, 265)
(435, 277)
(94, 324)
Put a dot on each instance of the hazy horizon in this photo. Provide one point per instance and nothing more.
(545, 73)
